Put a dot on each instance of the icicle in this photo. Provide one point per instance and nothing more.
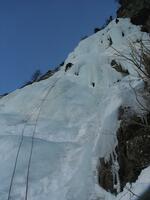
(115, 171)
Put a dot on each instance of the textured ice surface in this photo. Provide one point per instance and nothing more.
(75, 122)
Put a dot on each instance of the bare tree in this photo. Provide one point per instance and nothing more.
(36, 75)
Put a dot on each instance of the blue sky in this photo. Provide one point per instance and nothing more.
(39, 34)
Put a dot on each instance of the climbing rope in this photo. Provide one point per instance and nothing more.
(15, 165)
(32, 138)
(17, 156)
(32, 143)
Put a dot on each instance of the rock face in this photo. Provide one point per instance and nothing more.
(105, 175)
(133, 134)
(132, 151)
(133, 148)
(137, 10)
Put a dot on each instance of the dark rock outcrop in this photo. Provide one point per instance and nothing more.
(105, 175)
(133, 148)
(137, 10)
(118, 67)
(132, 151)
(68, 66)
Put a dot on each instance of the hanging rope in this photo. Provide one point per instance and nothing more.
(17, 156)
(15, 165)
(32, 138)
(21, 142)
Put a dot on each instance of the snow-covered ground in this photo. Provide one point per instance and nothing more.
(64, 124)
